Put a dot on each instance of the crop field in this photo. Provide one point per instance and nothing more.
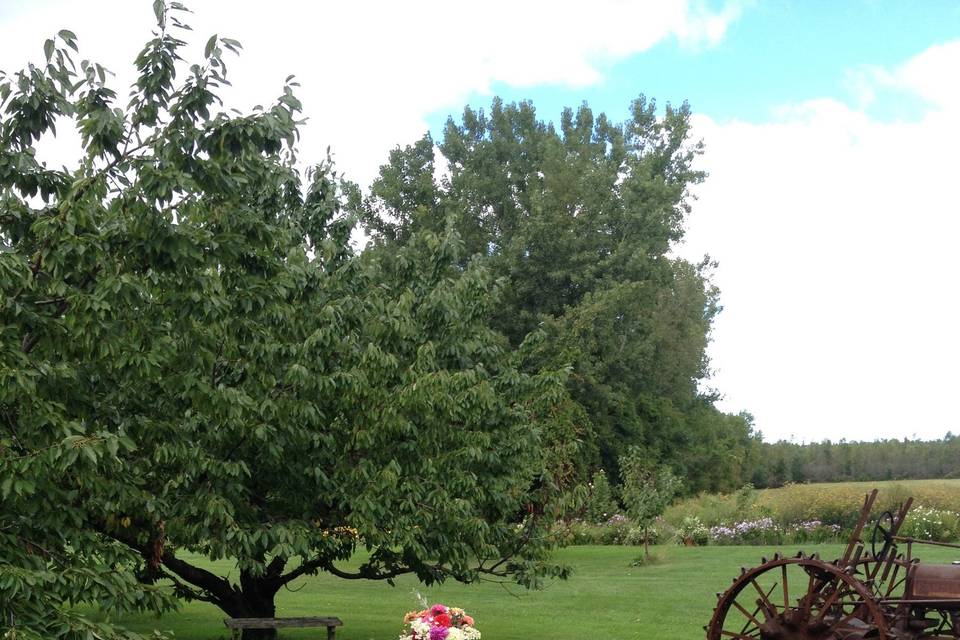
(836, 503)
(607, 597)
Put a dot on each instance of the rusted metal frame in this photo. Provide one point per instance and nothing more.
(893, 584)
(894, 530)
(808, 599)
(759, 606)
(951, 545)
(847, 618)
(868, 501)
(927, 602)
(850, 597)
(831, 599)
(749, 616)
(786, 596)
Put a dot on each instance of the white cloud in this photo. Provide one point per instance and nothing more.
(932, 75)
(928, 75)
(837, 239)
(372, 71)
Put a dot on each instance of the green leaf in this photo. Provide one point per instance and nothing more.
(159, 11)
(69, 37)
(211, 45)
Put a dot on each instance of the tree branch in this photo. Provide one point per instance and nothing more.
(31, 340)
(220, 590)
(190, 592)
(209, 582)
(306, 567)
(365, 573)
(275, 568)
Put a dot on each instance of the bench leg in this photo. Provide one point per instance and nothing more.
(331, 633)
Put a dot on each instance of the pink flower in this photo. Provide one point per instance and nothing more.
(437, 609)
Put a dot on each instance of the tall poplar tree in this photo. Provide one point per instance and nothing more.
(579, 219)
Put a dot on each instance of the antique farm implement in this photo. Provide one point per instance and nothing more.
(880, 592)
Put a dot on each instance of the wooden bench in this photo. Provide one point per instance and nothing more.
(237, 625)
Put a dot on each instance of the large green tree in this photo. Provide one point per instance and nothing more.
(580, 219)
(193, 359)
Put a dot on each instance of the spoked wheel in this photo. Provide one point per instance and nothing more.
(883, 530)
(797, 598)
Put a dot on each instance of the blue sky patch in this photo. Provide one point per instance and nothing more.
(779, 52)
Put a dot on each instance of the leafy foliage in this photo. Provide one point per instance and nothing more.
(193, 359)
(579, 219)
(647, 489)
(601, 504)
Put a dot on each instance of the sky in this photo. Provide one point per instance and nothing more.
(830, 132)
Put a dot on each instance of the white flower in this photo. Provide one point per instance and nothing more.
(469, 633)
(420, 628)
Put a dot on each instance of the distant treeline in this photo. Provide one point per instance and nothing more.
(843, 461)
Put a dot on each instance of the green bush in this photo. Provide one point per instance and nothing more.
(636, 534)
(927, 523)
(716, 509)
(691, 528)
(602, 504)
(618, 530)
(762, 531)
(814, 532)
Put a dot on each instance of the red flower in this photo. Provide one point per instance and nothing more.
(443, 619)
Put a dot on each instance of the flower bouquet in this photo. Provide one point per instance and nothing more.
(439, 622)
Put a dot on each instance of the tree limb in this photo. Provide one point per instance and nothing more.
(31, 340)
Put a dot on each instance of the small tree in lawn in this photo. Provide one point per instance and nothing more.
(648, 489)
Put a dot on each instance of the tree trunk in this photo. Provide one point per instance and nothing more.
(261, 608)
(257, 594)
(253, 599)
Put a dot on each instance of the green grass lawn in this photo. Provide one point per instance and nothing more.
(606, 597)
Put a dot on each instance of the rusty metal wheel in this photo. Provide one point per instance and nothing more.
(800, 598)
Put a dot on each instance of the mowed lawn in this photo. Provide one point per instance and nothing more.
(606, 597)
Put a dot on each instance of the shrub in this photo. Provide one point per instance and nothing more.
(760, 531)
(617, 530)
(694, 530)
(601, 504)
(813, 531)
(927, 523)
(583, 533)
(716, 509)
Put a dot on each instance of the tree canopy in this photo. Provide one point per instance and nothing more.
(580, 220)
(192, 358)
